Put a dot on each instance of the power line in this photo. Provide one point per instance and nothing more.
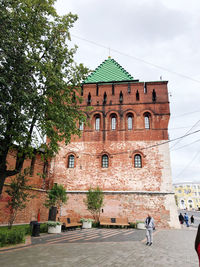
(192, 160)
(136, 58)
(144, 148)
(172, 140)
(185, 134)
(186, 145)
(184, 114)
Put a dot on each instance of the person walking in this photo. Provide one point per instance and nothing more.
(186, 219)
(192, 219)
(181, 218)
(150, 226)
(197, 243)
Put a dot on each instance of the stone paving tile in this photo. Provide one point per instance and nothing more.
(171, 248)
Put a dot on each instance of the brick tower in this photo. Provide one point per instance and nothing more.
(119, 149)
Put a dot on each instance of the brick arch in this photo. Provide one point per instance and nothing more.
(152, 112)
(104, 152)
(126, 113)
(143, 157)
(151, 117)
(109, 115)
(67, 158)
(93, 117)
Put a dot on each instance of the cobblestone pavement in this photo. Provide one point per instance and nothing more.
(170, 248)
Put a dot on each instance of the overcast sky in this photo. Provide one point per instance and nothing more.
(150, 39)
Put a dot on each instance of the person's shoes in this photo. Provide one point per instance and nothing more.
(150, 244)
(147, 243)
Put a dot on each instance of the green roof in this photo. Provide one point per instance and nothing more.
(108, 71)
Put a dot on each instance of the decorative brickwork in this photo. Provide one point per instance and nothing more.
(121, 155)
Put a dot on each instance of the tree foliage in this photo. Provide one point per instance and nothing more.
(56, 196)
(94, 202)
(39, 80)
(18, 196)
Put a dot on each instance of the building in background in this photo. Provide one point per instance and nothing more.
(119, 149)
(187, 195)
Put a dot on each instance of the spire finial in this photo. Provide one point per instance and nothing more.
(109, 52)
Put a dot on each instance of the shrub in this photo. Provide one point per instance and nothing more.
(86, 220)
(14, 236)
(43, 228)
(132, 225)
(53, 223)
(95, 224)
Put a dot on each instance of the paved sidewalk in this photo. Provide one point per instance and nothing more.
(171, 248)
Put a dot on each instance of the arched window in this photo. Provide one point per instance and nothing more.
(130, 122)
(137, 161)
(104, 161)
(113, 122)
(81, 125)
(97, 123)
(71, 161)
(147, 121)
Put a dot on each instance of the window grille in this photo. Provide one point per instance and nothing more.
(138, 161)
(104, 161)
(71, 161)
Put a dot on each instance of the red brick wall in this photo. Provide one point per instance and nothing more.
(121, 145)
(133, 206)
(39, 186)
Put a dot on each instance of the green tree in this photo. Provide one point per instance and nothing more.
(18, 196)
(39, 80)
(56, 196)
(94, 202)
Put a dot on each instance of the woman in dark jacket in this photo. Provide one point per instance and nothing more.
(197, 243)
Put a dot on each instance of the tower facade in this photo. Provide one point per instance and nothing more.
(120, 149)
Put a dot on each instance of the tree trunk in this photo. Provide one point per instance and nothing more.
(3, 177)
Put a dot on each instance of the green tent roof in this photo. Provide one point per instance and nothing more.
(108, 71)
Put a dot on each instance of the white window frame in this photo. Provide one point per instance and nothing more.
(146, 122)
(130, 122)
(113, 123)
(137, 161)
(105, 161)
(97, 123)
(71, 161)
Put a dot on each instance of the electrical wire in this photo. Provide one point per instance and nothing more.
(185, 134)
(186, 145)
(192, 161)
(136, 58)
(184, 114)
(144, 148)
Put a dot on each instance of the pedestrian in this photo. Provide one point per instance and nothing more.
(181, 218)
(150, 226)
(197, 243)
(186, 219)
(192, 219)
